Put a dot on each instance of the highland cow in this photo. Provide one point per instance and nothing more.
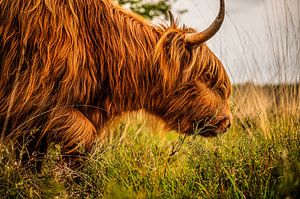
(68, 68)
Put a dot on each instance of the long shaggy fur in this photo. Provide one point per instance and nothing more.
(67, 68)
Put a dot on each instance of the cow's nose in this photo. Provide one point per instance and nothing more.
(230, 119)
(226, 122)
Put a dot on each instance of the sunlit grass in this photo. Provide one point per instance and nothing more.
(242, 163)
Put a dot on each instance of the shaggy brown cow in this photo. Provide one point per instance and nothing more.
(68, 68)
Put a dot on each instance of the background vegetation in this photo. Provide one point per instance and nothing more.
(147, 9)
(257, 158)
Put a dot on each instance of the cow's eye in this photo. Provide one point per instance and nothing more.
(207, 77)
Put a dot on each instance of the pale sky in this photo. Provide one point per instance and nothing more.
(243, 43)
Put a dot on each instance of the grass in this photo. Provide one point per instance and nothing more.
(139, 160)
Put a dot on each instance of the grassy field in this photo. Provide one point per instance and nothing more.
(258, 158)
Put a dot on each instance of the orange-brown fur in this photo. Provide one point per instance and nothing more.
(67, 68)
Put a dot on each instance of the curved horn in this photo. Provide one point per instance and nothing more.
(201, 37)
(171, 18)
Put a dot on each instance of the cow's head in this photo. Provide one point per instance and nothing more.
(196, 86)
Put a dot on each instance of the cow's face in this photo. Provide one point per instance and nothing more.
(205, 90)
(198, 99)
(197, 88)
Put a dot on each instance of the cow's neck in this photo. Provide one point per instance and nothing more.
(131, 79)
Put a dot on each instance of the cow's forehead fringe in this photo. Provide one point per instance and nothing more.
(188, 63)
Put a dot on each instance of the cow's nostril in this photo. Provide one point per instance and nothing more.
(225, 123)
(229, 124)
